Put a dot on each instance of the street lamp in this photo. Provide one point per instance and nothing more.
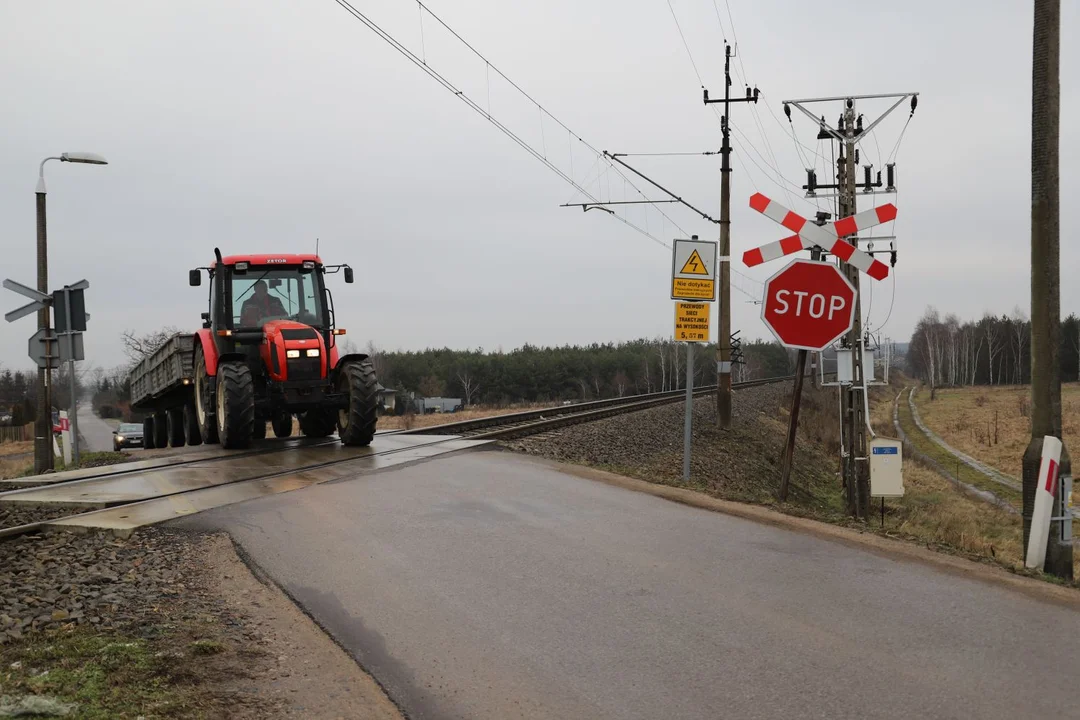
(43, 455)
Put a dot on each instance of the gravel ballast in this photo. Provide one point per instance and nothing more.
(741, 463)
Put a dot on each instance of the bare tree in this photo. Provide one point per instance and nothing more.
(1021, 334)
(469, 386)
(620, 381)
(137, 347)
(663, 366)
(992, 335)
(645, 374)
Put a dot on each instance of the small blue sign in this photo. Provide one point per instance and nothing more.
(886, 450)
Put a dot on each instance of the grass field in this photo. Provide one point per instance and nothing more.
(994, 424)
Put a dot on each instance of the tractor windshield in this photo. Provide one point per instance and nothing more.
(279, 293)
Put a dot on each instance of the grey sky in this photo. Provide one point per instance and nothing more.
(257, 127)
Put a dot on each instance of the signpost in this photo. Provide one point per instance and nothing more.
(693, 277)
(69, 309)
(693, 270)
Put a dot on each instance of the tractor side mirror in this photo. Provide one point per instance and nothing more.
(194, 278)
(205, 319)
(348, 275)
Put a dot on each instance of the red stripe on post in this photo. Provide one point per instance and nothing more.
(1051, 477)
(842, 250)
(793, 222)
(878, 270)
(845, 226)
(753, 257)
(759, 202)
(886, 213)
(791, 244)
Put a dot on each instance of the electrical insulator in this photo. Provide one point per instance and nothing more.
(914, 103)
(756, 93)
(811, 182)
(878, 178)
(748, 92)
(866, 176)
(787, 111)
(858, 125)
(856, 156)
(840, 122)
(890, 173)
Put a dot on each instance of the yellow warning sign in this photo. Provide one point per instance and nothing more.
(694, 266)
(691, 322)
(693, 289)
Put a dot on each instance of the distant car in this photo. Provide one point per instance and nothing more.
(128, 435)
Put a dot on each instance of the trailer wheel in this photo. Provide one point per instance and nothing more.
(258, 432)
(161, 429)
(192, 432)
(317, 423)
(203, 402)
(174, 423)
(282, 424)
(356, 423)
(235, 405)
(148, 433)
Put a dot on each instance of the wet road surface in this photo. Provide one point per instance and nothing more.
(486, 585)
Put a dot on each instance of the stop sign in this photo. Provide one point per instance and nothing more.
(808, 305)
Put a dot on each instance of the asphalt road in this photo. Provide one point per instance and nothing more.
(486, 585)
(95, 432)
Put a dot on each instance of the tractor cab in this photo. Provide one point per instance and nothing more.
(273, 316)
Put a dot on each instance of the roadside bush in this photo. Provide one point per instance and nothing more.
(108, 412)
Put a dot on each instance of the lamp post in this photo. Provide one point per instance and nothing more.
(43, 455)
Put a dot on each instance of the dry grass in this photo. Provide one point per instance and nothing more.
(962, 417)
(15, 448)
(15, 467)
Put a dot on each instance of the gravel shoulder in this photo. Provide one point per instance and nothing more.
(741, 463)
(163, 624)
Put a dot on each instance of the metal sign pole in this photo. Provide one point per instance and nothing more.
(74, 410)
(689, 411)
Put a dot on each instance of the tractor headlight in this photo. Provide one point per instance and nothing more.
(292, 353)
(313, 352)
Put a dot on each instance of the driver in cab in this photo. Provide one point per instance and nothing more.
(260, 306)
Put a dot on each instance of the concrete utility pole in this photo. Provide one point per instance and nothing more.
(857, 472)
(850, 129)
(723, 340)
(1046, 278)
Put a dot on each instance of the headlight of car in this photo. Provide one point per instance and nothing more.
(120, 438)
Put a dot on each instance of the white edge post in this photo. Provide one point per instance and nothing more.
(1045, 494)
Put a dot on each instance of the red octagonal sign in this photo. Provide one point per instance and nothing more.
(809, 305)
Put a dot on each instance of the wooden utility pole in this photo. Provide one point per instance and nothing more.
(723, 341)
(1046, 277)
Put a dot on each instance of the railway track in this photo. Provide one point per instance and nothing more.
(233, 477)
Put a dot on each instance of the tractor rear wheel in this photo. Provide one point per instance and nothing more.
(317, 423)
(175, 426)
(235, 405)
(161, 429)
(148, 433)
(356, 423)
(282, 424)
(203, 401)
(258, 432)
(192, 433)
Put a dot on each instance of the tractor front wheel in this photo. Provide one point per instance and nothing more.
(356, 423)
(235, 405)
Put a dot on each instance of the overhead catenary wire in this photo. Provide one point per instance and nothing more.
(420, 62)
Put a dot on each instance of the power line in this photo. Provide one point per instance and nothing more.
(685, 44)
(461, 95)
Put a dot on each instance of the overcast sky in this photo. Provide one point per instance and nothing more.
(261, 126)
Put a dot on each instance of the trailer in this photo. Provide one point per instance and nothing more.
(161, 386)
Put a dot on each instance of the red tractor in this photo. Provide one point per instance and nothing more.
(267, 351)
